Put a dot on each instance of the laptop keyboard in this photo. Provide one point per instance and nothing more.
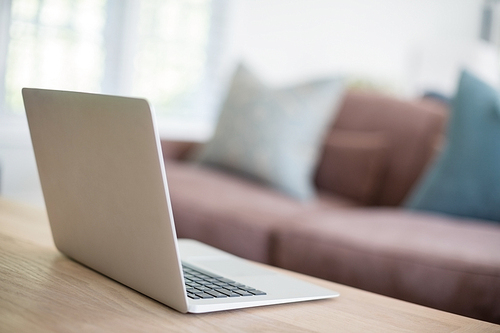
(201, 285)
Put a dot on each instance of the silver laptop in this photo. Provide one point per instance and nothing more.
(105, 189)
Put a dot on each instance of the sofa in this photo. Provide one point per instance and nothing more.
(357, 230)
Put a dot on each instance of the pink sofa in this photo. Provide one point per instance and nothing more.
(356, 231)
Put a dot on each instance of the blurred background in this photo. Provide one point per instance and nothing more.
(180, 54)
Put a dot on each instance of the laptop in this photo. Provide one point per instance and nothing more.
(105, 189)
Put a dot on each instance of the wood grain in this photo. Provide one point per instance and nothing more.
(43, 291)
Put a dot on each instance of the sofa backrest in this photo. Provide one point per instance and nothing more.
(379, 146)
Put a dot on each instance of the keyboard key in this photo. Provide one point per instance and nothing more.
(218, 283)
(215, 294)
(242, 292)
(204, 295)
(256, 292)
(228, 293)
(230, 287)
(212, 286)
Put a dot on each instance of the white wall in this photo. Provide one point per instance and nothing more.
(292, 40)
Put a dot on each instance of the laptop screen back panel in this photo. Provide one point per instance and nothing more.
(105, 190)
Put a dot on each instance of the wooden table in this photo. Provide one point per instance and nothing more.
(43, 291)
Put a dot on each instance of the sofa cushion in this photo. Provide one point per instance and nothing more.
(273, 135)
(353, 164)
(231, 213)
(465, 180)
(412, 129)
(422, 258)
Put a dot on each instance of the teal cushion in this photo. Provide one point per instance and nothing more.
(465, 179)
(273, 135)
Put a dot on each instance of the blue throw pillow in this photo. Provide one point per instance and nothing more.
(273, 136)
(465, 179)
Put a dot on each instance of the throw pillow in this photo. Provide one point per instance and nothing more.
(465, 180)
(273, 135)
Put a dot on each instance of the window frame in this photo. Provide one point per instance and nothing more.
(120, 37)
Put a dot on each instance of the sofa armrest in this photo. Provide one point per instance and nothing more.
(177, 150)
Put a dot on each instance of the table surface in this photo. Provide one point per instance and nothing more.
(41, 290)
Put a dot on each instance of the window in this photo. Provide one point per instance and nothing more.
(157, 49)
(53, 44)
